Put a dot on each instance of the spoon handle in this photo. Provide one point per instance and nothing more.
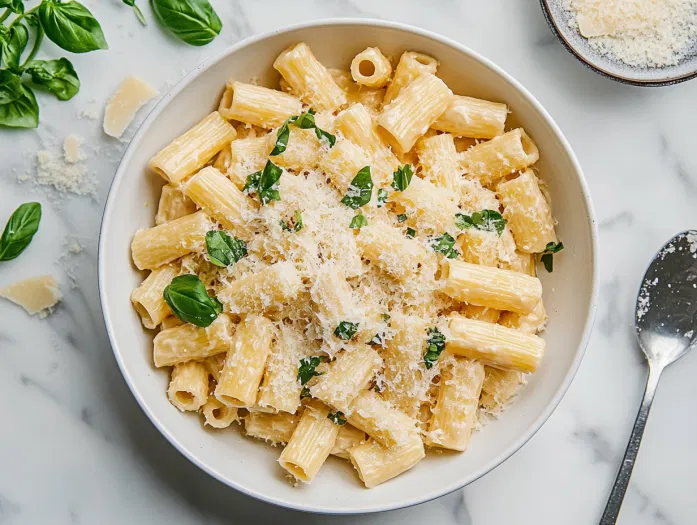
(614, 502)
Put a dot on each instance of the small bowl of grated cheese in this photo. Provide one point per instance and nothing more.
(638, 42)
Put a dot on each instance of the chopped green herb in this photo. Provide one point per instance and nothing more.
(294, 225)
(411, 233)
(358, 221)
(401, 217)
(360, 191)
(444, 244)
(382, 197)
(548, 255)
(385, 317)
(263, 183)
(337, 418)
(378, 339)
(303, 121)
(346, 330)
(402, 177)
(305, 393)
(190, 302)
(485, 220)
(308, 368)
(434, 346)
(224, 250)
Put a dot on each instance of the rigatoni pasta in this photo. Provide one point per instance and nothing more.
(345, 263)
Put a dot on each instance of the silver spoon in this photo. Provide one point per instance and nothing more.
(666, 325)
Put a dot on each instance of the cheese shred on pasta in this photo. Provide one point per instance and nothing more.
(351, 310)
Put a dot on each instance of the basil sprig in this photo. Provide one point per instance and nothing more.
(12, 44)
(58, 76)
(20, 230)
(337, 418)
(15, 6)
(190, 302)
(18, 107)
(548, 255)
(193, 21)
(345, 330)
(402, 177)
(294, 225)
(224, 250)
(70, 25)
(445, 245)
(136, 9)
(358, 222)
(263, 183)
(308, 368)
(434, 346)
(485, 220)
(360, 190)
(303, 121)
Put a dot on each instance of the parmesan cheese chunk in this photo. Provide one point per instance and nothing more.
(123, 105)
(35, 295)
(71, 149)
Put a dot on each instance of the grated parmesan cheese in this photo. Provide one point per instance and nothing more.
(37, 295)
(64, 175)
(643, 33)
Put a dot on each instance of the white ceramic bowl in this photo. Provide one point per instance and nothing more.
(250, 466)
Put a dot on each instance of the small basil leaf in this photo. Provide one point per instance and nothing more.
(485, 220)
(304, 120)
(58, 76)
(18, 107)
(71, 26)
(444, 244)
(463, 221)
(305, 393)
(263, 183)
(16, 6)
(193, 21)
(360, 190)
(548, 255)
(411, 233)
(382, 197)
(337, 418)
(13, 46)
(139, 13)
(222, 249)
(252, 185)
(190, 302)
(308, 368)
(345, 330)
(434, 346)
(402, 217)
(20, 230)
(358, 221)
(402, 177)
(281, 140)
(320, 133)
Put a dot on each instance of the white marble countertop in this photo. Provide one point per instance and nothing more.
(76, 448)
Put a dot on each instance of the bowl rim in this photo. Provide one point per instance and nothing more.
(440, 491)
(571, 48)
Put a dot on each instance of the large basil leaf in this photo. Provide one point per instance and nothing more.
(222, 249)
(194, 21)
(71, 26)
(58, 76)
(16, 6)
(189, 300)
(18, 107)
(20, 230)
(13, 45)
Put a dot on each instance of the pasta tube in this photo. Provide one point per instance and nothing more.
(371, 68)
(148, 299)
(376, 464)
(217, 414)
(257, 105)
(188, 342)
(272, 428)
(347, 438)
(472, 117)
(439, 161)
(380, 420)
(188, 387)
(411, 65)
(173, 205)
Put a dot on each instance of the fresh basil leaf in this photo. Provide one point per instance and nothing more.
(378, 340)
(281, 140)
(16, 6)
(305, 393)
(18, 107)
(263, 183)
(294, 225)
(308, 368)
(402, 217)
(58, 76)
(360, 190)
(190, 302)
(382, 197)
(485, 220)
(193, 21)
(548, 255)
(337, 418)
(444, 244)
(402, 177)
(434, 346)
(345, 330)
(20, 230)
(71, 26)
(139, 13)
(222, 249)
(358, 221)
(304, 120)
(13, 45)
(411, 233)
(320, 134)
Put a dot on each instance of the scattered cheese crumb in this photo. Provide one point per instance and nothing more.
(88, 114)
(52, 170)
(35, 295)
(122, 107)
(71, 149)
(643, 33)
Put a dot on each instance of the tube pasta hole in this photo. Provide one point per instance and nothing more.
(366, 68)
(185, 397)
